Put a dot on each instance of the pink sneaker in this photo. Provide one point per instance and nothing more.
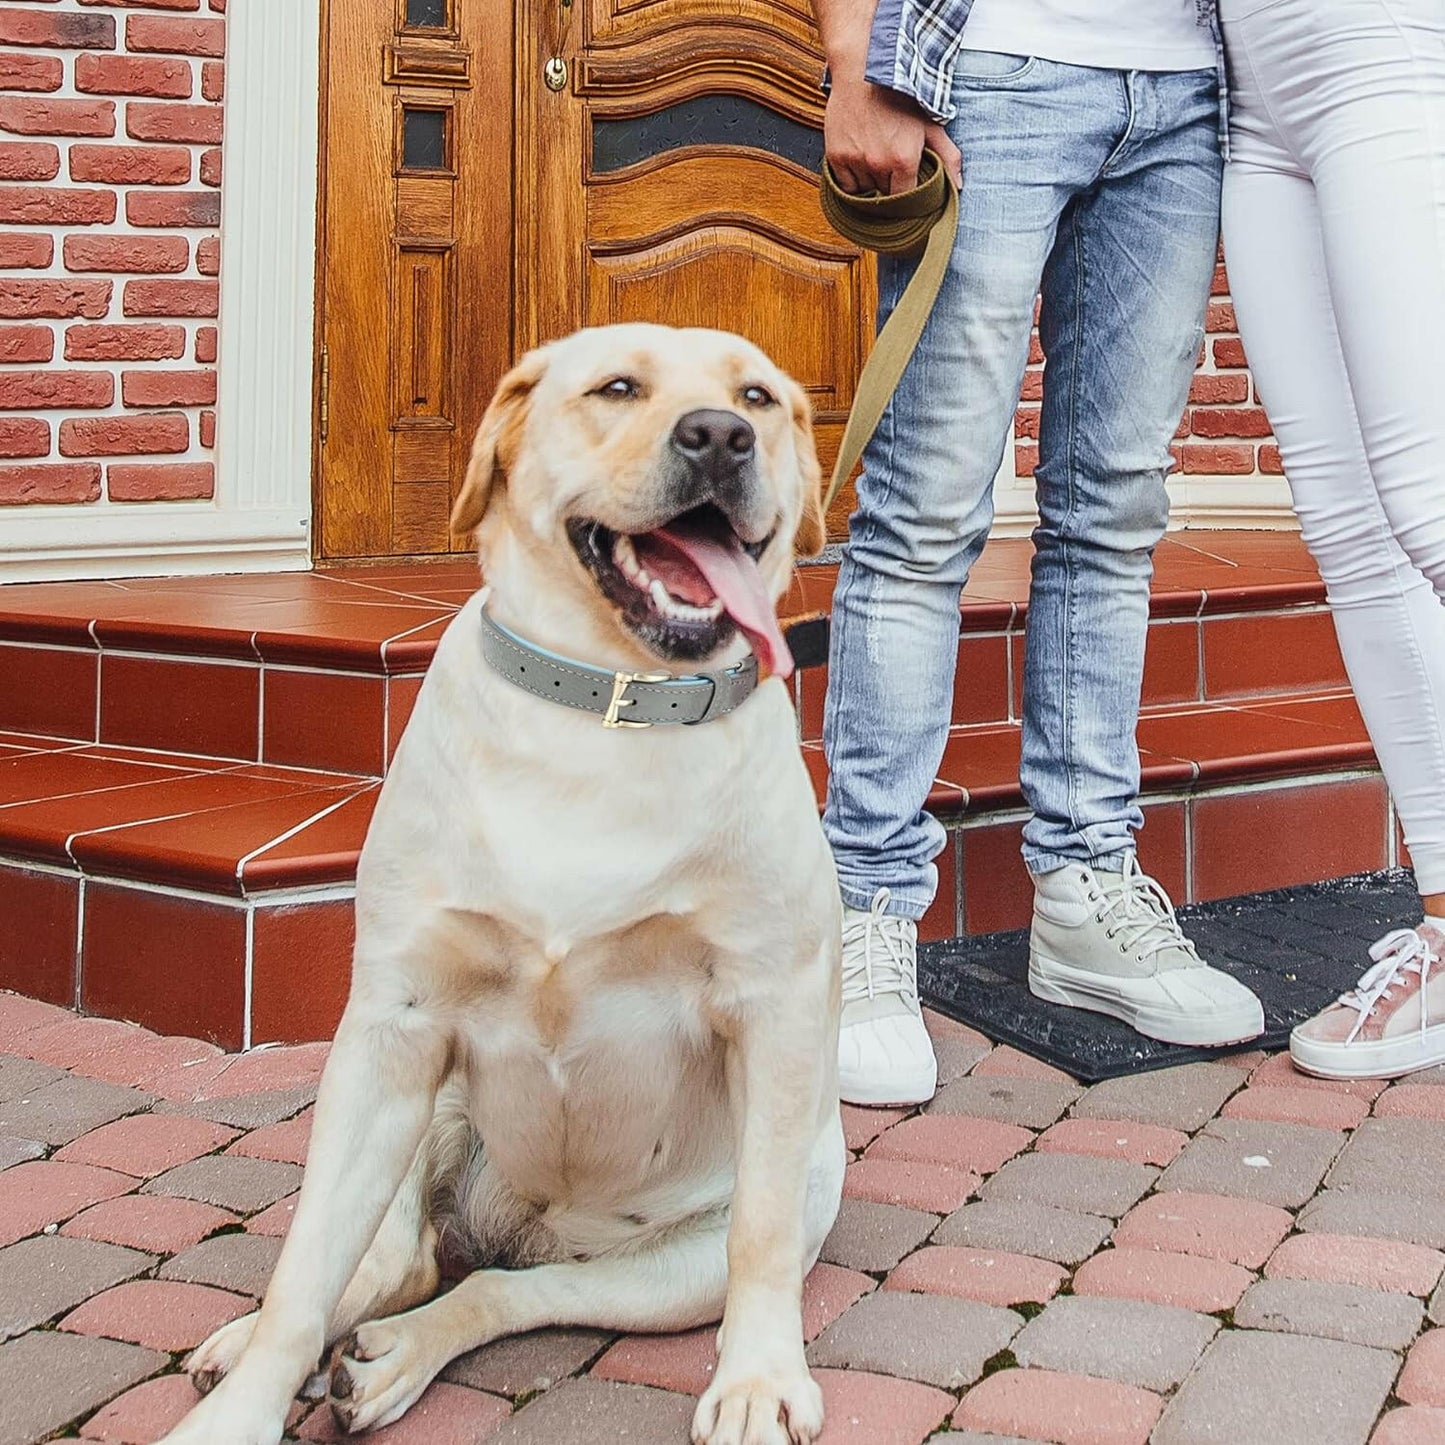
(1392, 1022)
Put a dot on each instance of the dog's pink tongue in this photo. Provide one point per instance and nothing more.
(738, 585)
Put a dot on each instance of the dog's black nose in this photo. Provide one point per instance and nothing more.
(716, 442)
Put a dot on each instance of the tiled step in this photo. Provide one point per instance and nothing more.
(190, 765)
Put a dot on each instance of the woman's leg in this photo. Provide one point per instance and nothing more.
(1365, 453)
(1335, 239)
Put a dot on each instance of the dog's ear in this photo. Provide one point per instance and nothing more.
(497, 438)
(812, 531)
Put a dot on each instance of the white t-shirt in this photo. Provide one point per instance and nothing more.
(1110, 34)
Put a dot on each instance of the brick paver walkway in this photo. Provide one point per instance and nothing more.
(1224, 1252)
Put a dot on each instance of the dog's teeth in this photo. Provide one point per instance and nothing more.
(663, 598)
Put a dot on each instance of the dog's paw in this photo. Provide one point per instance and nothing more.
(377, 1375)
(783, 1408)
(214, 1358)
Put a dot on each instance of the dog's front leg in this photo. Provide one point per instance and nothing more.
(781, 1061)
(376, 1097)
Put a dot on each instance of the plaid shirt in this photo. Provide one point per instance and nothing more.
(914, 45)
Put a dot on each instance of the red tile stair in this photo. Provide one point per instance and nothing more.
(188, 766)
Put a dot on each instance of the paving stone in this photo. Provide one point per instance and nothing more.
(285, 1142)
(1071, 1181)
(163, 1315)
(1047, 1405)
(863, 1409)
(1415, 1425)
(1400, 1101)
(1182, 1280)
(153, 1222)
(144, 1413)
(956, 1057)
(525, 1364)
(239, 1262)
(15, 1150)
(1393, 1156)
(186, 1083)
(1372, 1263)
(1186, 1097)
(1331, 1311)
(829, 1290)
(243, 1185)
(1008, 1062)
(137, 1061)
(1113, 1139)
(270, 1069)
(146, 1144)
(935, 1338)
(1034, 1103)
(44, 1192)
(24, 1076)
(48, 1379)
(20, 1016)
(875, 1237)
(1021, 1227)
(1285, 1389)
(1422, 1382)
(247, 1111)
(1153, 1346)
(45, 1276)
(275, 1221)
(583, 1412)
(934, 1187)
(1273, 1163)
(1436, 1308)
(72, 1041)
(942, 1028)
(445, 1415)
(1318, 1108)
(972, 1437)
(1369, 1214)
(683, 1362)
(1212, 1226)
(862, 1126)
(64, 1110)
(990, 1275)
(979, 1145)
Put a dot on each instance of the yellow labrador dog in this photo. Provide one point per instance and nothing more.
(590, 1047)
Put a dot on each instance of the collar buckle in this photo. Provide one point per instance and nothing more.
(621, 681)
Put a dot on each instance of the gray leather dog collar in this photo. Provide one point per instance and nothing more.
(624, 699)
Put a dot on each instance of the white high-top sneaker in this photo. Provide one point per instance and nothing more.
(884, 1053)
(1110, 942)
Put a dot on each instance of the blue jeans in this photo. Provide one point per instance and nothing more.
(1099, 189)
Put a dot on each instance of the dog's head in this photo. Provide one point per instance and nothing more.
(665, 478)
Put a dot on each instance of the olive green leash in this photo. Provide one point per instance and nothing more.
(924, 218)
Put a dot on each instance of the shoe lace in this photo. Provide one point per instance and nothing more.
(886, 965)
(1140, 913)
(1396, 954)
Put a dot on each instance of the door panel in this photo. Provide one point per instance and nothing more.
(674, 178)
(416, 263)
(478, 202)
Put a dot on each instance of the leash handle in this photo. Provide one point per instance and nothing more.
(892, 225)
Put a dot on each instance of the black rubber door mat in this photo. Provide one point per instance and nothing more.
(1298, 949)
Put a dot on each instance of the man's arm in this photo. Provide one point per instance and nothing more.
(874, 137)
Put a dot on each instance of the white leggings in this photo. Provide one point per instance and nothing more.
(1334, 233)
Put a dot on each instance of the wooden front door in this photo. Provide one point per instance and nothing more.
(498, 172)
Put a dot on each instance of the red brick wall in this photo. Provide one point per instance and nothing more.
(1224, 431)
(110, 208)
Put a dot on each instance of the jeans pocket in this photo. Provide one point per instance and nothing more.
(990, 69)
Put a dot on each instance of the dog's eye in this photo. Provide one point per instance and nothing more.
(620, 388)
(758, 396)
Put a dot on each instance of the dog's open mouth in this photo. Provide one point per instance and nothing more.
(684, 587)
